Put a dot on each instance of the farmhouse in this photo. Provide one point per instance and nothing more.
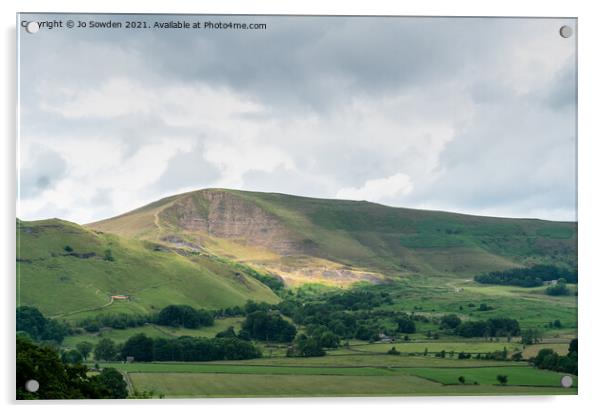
(120, 297)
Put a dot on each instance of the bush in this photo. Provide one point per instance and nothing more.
(393, 351)
(559, 289)
(109, 255)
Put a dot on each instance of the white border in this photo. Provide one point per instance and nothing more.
(590, 208)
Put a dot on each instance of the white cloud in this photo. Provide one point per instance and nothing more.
(379, 189)
(472, 117)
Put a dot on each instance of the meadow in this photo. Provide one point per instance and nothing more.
(340, 376)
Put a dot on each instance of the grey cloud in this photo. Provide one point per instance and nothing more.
(188, 169)
(41, 172)
(508, 149)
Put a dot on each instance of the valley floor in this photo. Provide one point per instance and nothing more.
(341, 375)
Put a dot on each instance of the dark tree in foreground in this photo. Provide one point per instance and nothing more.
(573, 346)
(112, 381)
(503, 379)
(58, 380)
(461, 379)
(71, 357)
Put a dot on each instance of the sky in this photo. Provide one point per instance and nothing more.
(471, 115)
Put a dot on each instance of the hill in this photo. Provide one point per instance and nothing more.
(70, 271)
(339, 242)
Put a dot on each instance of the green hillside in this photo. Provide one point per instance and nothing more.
(70, 271)
(335, 241)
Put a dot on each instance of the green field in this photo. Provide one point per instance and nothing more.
(340, 376)
(517, 376)
(237, 385)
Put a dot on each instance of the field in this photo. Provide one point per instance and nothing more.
(233, 385)
(336, 375)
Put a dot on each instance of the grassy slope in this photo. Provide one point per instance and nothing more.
(371, 236)
(61, 284)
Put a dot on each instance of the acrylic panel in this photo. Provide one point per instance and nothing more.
(293, 206)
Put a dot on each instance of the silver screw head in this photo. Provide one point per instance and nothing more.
(32, 386)
(566, 31)
(566, 381)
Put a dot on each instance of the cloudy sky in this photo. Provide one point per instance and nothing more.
(466, 115)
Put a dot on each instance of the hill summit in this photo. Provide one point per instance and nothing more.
(340, 242)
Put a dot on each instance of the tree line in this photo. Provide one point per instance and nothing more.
(144, 348)
(529, 276)
(492, 327)
(172, 315)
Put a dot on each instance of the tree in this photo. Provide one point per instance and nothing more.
(393, 351)
(531, 336)
(503, 379)
(38, 327)
(328, 340)
(461, 379)
(109, 255)
(105, 350)
(262, 325)
(406, 326)
(112, 382)
(573, 346)
(485, 307)
(84, 348)
(58, 380)
(305, 346)
(450, 321)
(138, 346)
(184, 316)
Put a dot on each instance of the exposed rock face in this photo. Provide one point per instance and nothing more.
(224, 215)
